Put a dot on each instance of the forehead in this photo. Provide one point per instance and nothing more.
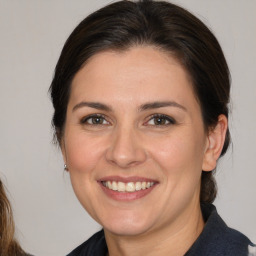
(139, 72)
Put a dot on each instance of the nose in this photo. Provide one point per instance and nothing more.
(126, 149)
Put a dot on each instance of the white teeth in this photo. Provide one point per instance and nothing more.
(120, 186)
(127, 187)
(138, 186)
(130, 187)
(114, 185)
(109, 185)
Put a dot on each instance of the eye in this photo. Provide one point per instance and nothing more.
(160, 120)
(95, 120)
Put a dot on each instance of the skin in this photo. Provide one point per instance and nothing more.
(127, 142)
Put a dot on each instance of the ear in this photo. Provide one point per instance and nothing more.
(63, 149)
(215, 142)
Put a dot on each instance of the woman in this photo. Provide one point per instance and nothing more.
(8, 245)
(140, 95)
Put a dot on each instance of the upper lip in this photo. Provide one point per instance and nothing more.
(126, 179)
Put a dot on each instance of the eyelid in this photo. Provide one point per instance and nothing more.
(86, 118)
(170, 119)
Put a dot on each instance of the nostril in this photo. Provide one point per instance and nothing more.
(125, 149)
(126, 158)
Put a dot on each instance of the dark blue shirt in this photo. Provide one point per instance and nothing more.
(216, 239)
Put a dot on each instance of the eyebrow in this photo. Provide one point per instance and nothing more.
(146, 106)
(95, 105)
(161, 104)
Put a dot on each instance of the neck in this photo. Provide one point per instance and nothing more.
(171, 240)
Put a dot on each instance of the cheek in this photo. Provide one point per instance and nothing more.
(83, 152)
(181, 151)
(83, 156)
(181, 161)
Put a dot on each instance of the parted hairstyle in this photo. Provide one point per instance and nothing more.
(8, 245)
(165, 26)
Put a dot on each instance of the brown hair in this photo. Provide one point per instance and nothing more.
(8, 245)
(168, 27)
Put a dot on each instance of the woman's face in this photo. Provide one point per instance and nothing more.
(134, 141)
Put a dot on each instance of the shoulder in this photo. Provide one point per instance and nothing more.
(235, 243)
(95, 245)
(217, 239)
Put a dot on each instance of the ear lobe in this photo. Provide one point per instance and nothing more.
(216, 139)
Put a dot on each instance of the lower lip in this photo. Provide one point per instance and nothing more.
(126, 196)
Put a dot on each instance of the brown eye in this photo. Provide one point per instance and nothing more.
(158, 120)
(95, 120)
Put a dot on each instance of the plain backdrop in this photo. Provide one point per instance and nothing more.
(49, 219)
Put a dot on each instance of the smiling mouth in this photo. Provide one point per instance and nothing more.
(129, 186)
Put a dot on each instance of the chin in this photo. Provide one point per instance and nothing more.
(127, 226)
(127, 230)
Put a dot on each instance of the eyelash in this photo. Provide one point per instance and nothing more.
(99, 116)
(103, 119)
(169, 119)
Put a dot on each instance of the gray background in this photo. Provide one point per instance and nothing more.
(48, 217)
